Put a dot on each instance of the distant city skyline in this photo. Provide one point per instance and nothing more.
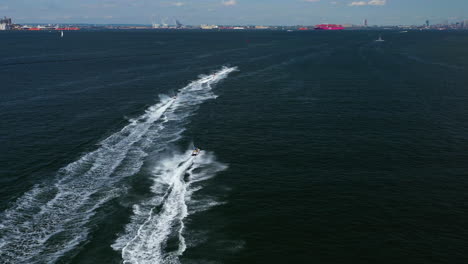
(240, 12)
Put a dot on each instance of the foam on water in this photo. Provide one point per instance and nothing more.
(160, 219)
(52, 218)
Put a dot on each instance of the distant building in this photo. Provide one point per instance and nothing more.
(427, 23)
(5, 23)
(365, 22)
(209, 27)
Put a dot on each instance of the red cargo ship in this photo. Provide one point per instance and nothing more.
(329, 27)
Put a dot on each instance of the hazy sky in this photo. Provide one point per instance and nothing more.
(267, 12)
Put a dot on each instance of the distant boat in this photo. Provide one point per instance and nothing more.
(380, 39)
(61, 34)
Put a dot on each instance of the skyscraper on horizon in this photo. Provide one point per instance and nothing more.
(5, 23)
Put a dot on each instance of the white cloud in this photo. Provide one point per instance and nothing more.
(377, 2)
(359, 3)
(167, 3)
(230, 2)
(371, 2)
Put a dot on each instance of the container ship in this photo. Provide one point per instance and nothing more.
(329, 27)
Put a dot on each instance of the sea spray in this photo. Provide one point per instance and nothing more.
(161, 218)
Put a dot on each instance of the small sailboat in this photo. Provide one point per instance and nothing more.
(380, 39)
(61, 34)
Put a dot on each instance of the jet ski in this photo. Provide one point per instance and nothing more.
(196, 152)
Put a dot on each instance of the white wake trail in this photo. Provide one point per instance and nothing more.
(146, 245)
(52, 219)
(160, 219)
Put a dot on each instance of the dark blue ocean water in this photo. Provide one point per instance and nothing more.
(318, 147)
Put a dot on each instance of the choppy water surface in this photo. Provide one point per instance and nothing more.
(321, 147)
